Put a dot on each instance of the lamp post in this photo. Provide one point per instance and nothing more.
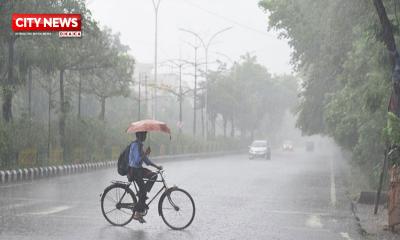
(234, 72)
(195, 47)
(156, 5)
(195, 92)
(146, 101)
(139, 100)
(180, 64)
(206, 46)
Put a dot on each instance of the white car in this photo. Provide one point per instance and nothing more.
(260, 148)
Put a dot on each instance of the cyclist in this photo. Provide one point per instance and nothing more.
(137, 173)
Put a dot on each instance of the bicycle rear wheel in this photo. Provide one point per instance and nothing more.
(117, 203)
(177, 209)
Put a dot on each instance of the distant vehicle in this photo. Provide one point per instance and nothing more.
(309, 146)
(260, 148)
(288, 146)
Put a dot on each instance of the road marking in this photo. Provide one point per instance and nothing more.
(296, 212)
(333, 185)
(304, 229)
(48, 212)
(17, 205)
(16, 185)
(314, 221)
(85, 218)
(345, 235)
(46, 200)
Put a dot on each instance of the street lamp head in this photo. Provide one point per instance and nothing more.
(205, 45)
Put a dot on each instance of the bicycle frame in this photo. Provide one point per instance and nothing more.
(163, 188)
(162, 180)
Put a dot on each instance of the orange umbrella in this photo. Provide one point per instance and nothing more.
(147, 126)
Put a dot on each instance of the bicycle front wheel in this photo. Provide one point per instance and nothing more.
(177, 209)
(117, 203)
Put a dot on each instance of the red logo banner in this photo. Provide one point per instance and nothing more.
(25, 22)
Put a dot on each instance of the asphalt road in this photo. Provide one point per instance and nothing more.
(295, 195)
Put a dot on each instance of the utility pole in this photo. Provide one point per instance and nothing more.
(79, 95)
(233, 72)
(180, 99)
(139, 103)
(206, 47)
(145, 95)
(195, 64)
(195, 93)
(179, 63)
(156, 5)
(30, 93)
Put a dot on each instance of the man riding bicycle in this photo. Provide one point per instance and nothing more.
(137, 173)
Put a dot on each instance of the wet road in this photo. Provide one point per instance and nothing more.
(295, 195)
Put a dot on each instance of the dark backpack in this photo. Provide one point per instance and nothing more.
(123, 161)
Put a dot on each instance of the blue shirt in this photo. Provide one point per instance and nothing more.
(136, 156)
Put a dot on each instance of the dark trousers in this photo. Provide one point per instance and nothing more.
(138, 175)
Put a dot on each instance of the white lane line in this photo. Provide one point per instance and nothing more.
(305, 229)
(16, 185)
(94, 217)
(47, 200)
(17, 205)
(48, 212)
(345, 235)
(314, 221)
(333, 185)
(296, 212)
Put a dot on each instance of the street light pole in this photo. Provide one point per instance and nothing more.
(180, 99)
(234, 72)
(156, 5)
(179, 63)
(206, 47)
(195, 93)
(146, 101)
(195, 47)
(140, 78)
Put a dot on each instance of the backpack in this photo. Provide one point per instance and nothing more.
(123, 161)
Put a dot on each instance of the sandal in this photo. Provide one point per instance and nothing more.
(139, 217)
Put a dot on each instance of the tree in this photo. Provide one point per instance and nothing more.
(41, 61)
(116, 78)
(221, 96)
(320, 38)
(8, 38)
(48, 84)
(246, 94)
(338, 50)
(388, 39)
(73, 54)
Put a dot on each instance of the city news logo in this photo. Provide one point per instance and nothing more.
(67, 25)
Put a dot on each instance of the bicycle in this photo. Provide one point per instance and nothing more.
(118, 203)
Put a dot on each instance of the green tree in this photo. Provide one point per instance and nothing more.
(117, 77)
(339, 52)
(246, 94)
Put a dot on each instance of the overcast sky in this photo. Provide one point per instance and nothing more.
(134, 19)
